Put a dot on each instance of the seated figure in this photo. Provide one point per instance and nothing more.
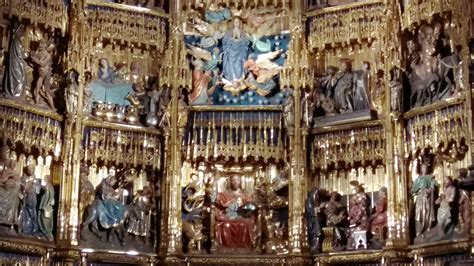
(232, 229)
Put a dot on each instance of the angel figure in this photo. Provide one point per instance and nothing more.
(217, 13)
(209, 33)
(211, 60)
(261, 72)
(201, 80)
(264, 29)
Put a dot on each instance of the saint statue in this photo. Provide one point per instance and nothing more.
(15, 74)
(139, 223)
(235, 45)
(336, 217)
(379, 218)
(361, 88)
(201, 80)
(86, 188)
(359, 209)
(288, 111)
(343, 88)
(9, 189)
(28, 214)
(46, 205)
(464, 201)
(43, 61)
(328, 83)
(72, 92)
(424, 189)
(315, 218)
(446, 203)
(232, 229)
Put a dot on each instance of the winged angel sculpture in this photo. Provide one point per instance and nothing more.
(226, 55)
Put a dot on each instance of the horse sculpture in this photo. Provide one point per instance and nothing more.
(107, 211)
(92, 221)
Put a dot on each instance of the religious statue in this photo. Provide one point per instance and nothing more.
(325, 104)
(235, 45)
(182, 111)
(86, 188)
(315, 219)
(87, 97)
(139, 223)
(105, 72)
(396, 90)
(361, 88)
(336, 217)
(46, 205)
(359, 222)
(201, 90)
(432, 67)
(328, 83)
(343, 89)
(307, 108)
(106, 209)
(465, 212)
(377, 93)
(232, 229)
(424, 189)
(72, 92)
(261, 72)
(446, 203)
(30, 190)
(193, 203)
(378, 224)
(276, 236)
(9, 189)
(15, 74)
(42, 60)
(288, 111)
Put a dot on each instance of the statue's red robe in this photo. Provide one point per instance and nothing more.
(237, 232)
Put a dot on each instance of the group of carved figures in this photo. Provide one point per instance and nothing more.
(345, 91)
(26, 202)
(124, 95)
(239, 220)
(15, 83)
(331, 227)
(106, 209)
(440, 216)
(237, 61)
(433, 72)
(118, 94)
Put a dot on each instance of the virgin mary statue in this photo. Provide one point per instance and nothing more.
(235, 44)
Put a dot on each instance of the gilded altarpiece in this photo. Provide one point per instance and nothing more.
(226, 132)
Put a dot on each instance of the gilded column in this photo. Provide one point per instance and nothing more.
(175, 75)
(296, 75)
(398, 224)
(68, 218)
